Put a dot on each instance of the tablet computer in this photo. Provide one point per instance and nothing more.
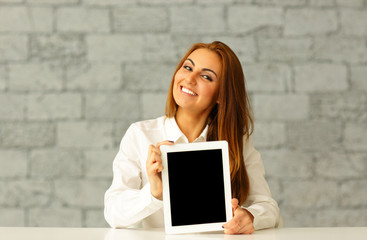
(196, 186)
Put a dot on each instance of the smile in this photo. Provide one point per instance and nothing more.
(188, 91)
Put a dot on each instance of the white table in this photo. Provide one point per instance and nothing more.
(22, 233)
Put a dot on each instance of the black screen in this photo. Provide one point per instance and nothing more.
(196, 187)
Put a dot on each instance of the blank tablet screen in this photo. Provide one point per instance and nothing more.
(196, 187)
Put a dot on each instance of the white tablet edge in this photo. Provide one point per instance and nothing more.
(223, 145)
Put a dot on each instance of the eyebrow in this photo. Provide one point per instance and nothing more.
(205, 69)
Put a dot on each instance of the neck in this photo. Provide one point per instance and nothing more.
(191, 125)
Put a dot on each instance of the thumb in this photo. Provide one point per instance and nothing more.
(234, 202)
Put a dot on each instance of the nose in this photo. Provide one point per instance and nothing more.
(191, 78)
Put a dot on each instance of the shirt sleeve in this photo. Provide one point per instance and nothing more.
(259, 202)
(127, 202)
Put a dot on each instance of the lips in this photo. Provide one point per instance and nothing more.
(188, 91)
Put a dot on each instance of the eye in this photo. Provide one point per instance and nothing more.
(187, 68)
(207, 77)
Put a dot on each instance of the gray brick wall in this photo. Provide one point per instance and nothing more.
(75, 73)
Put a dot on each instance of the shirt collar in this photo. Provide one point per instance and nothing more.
(174, 133)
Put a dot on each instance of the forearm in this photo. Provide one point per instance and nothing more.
(129, 207)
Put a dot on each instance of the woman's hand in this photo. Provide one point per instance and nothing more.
(242, 221)
(154, 169)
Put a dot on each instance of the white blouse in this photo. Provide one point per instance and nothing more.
(129, 203)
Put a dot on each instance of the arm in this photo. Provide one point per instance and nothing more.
(127, 202)
(259, 203)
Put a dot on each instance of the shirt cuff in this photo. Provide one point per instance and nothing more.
(255, 214)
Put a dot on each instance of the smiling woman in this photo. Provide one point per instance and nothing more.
(207, 101)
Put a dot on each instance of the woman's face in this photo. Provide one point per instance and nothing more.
(196, 83)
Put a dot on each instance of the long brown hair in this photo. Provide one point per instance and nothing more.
(231, 119)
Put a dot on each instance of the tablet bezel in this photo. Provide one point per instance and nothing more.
(222, 145)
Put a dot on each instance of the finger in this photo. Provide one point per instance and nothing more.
(157, 167)
(167, 142)
(231, 225)
(234, 203)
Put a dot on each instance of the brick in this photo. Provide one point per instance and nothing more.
(54, 106)
(358, 77)
(349, 18)
(154, 105)
(90, 76)
(148, 76)
(115, 48)
(13, 48)
(158, 2)
(300, 22)
(34, 76)
(244, 47)
(81, 193)
(341, 217)
(269, 135)
(353, 193)
(3, 77)
(84, 135)
(25, 193)
(267, 77)
(53, 2)
(13, 164)
(355, 136)
(140, 19)
(71, 19)
(55, 217)
(154, 50)
(320, 77)
(12, 107)
(336, 49)
(11, 1)
(301, 135)
(346, 106)
(56, 163)
(22, 19)
(183, 43)
(191, 19)
(335, 165)
(27, 134)
(123, 106)
(98, 163)
(95, 218)
(350, 3)
(248, 18)
(281, 2)
(359, 163)
(12, 217)
(57, 47)
(281, 107)
(322, 3)
(287, 164)
(110, 2)
(285, 49)
(314, 194)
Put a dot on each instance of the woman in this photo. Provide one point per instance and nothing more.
(207, 101)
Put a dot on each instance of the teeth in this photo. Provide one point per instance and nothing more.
(188, 91)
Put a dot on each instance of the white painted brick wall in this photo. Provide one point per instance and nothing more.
(74, 74)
